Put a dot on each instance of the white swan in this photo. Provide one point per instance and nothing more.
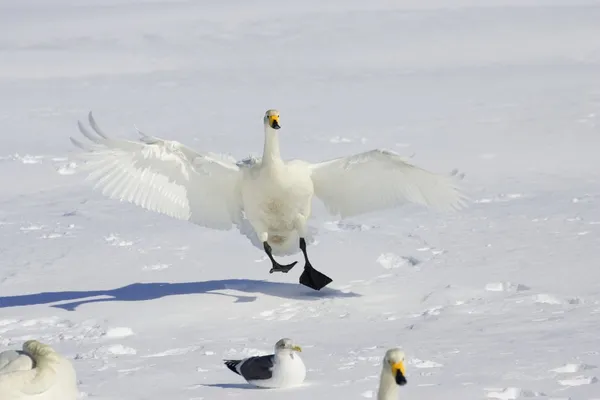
(36, 373)
(269, 200)
(393, 375)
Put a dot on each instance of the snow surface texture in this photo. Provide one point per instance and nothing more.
(499, 301)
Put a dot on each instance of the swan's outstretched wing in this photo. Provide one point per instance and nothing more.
(164, 176)
(380, 179)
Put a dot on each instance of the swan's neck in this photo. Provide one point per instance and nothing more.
(271, 155)
(388, 390)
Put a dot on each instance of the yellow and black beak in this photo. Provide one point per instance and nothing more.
(274, 121)
(399, 373)
(296, 348)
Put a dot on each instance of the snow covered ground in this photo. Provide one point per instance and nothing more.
(499, 301)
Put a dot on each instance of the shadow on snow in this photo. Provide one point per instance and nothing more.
(231, 385)
(156, 290)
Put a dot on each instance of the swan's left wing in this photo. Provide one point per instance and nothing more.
(381, 179)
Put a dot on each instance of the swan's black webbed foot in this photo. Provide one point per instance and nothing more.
(310, 276)
(276, 266)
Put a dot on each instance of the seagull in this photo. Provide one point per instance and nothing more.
(393, 375)
(267, 199)
(282, 369)
(36, 373)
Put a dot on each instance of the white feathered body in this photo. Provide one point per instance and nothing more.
(277, 199)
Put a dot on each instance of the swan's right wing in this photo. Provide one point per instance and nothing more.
(164, 176)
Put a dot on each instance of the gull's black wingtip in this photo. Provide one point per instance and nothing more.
(231, 364)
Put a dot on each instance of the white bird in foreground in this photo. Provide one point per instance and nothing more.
(36, 373)
(393, 375)
(282, 369)
(272, 195)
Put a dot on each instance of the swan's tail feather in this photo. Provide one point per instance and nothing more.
(287, 245)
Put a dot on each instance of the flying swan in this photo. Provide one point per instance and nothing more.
(36, 373)
(267, 199)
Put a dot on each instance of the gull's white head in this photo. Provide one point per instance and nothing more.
(271, 119)
(286, 344)
(393, 362)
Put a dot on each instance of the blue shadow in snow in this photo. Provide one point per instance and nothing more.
(232, 386)
(156, 290)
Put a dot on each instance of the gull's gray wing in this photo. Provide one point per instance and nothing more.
(253, 368)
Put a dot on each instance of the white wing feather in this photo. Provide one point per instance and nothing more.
(380, 179)
(164, 176)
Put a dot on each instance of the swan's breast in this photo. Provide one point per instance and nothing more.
(279, 214)
(276, 197)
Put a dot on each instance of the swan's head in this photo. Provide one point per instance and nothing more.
(393, 362)
(286, 344)
(272, 119)
(37, 349)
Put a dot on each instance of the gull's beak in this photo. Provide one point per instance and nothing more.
(399, 373)
(274, 121)
(297, 348)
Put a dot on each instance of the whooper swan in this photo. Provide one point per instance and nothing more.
(393, 375)
(268, 199)
(36, 373)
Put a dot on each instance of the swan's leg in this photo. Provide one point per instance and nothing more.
(276, 266)
(311, 277)
(263, 236)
